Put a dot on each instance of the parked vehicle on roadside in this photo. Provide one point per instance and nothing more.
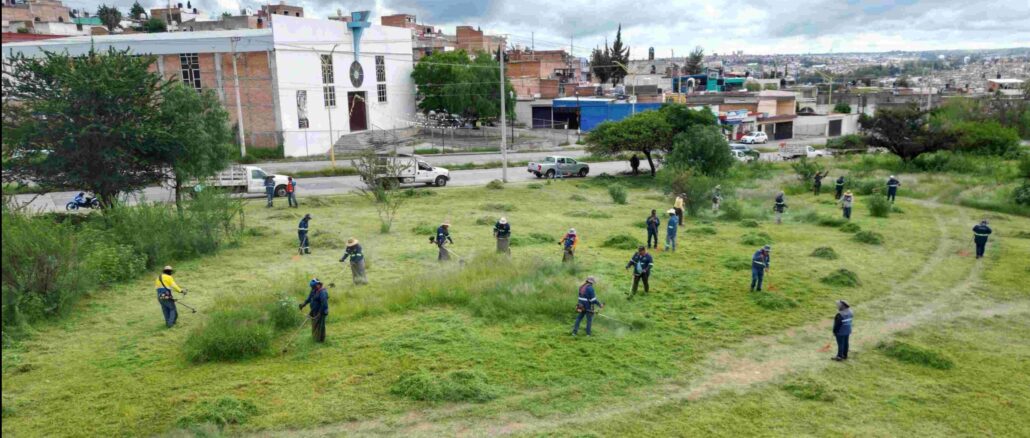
(550, 167)
(245, 179)
(742, 156)
(754, 137)
(792, 151)
(411, 169)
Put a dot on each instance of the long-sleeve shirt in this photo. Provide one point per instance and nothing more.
(653, 222)
(846, 201)
(569, 241)
(443, 235)
(842, 322)
(893, 183)
(819, 180)
(981, 231)
(641, 263)
(674, 222)
(319, 300)
(269, 183)
(760, 260)
(840, 183)
(165, 284)
(781, 204)
(502, 231)
(303, 225)
(587, 297)
(354, 252)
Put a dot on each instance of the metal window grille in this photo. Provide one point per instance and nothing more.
(189, 66)
(381, 92)
(381, 69)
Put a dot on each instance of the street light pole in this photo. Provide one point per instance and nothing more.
(504, 118)
(239, 107)
(329, 108)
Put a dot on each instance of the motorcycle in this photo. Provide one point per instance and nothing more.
(88, 203)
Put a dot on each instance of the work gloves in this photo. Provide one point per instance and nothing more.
(184, 291)
(301, 306)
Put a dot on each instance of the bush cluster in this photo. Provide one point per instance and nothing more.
(879, 206)
(495, 185)
(230, 335)
(618, 193)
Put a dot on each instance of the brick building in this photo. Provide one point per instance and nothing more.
(281, 9)
(425, 39)
(44, 17)
(296, 89)
(473, 40)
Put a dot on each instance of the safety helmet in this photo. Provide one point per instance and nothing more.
(314, 282)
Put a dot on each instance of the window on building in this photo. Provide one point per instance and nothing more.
(381, 92)
(302, 109)
(328, 87)
(189, 66)
(381, 68)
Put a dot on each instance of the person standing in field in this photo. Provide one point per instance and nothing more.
(443, 236)
(502, 232)
(892, 188)
(653, 222)
(568, 243)
(319, 300)
(671, 229)
(845, 204)
(716, 198)
(291, 192)
(634, 163)
(269, 189)
(759, 266)
(357, 261)
(641, 262)
(302, 235)
(165, 284)
(980, 234)
(779, 206)
(842, 329)
(839, 187)
(678, 206)
(585, 305)
(817, 183)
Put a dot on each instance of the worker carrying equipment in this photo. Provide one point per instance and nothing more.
(502, 231)
(980, 234)
(779, 206)
(165, 284)
(302, 235)
(839, 187)
(759, 266)
(892, 188)
(357, 261)
(319, 300)
(585, 304)
(641, 262)
(568, 243)
(443, 236)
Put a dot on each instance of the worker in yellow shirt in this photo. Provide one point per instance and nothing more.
(165, 285)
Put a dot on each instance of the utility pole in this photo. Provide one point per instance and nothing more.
(332, 141)
(504, 118)
(239, 107)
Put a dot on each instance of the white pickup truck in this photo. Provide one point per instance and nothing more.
(551, 165)
(246, 179)
(792, 151)
(412, 169)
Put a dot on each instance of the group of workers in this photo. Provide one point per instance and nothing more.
(291, 191)
(845, 199)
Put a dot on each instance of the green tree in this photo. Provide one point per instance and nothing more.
(137, 12)
(645, 132)
(695, 62)
(110, 16)
(459, 85)
(681, 117)
(601, 64)
(842, 107)
(752, 86)
(703, 149)
(620, 56)
(196, 139)
(901, 82)
(986, 137)
(155, 25)
(87, 122)
(904, 131)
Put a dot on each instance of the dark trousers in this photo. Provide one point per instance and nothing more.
(652, 234)
(892, 192)
(981, 245)
(757, 273)
(838, 193)
(269, 193)
(443, 254)
(590, 320)
(818, 188)
(318, 327)
(302, 236)
(637, 278)
(504, 245)
(847, 212)
(842, 346)
(291, 198)
(357, 272)
(170, 312)
(569, 256)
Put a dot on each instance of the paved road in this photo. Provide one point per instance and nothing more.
(288, 167)
(317, 186)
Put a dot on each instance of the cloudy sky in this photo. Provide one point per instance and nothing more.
(757, 26)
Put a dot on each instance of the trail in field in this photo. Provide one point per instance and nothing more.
(756, 361)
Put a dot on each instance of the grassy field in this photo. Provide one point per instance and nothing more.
(438, 350)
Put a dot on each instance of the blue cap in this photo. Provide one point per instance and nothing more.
(314, 282)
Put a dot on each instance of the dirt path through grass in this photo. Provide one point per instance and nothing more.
(756, 361)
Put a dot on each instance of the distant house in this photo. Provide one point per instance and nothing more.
(1007, 87)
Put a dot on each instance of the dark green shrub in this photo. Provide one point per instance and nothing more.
(868, 237)
(915, 355)
(1023, 234)
(618, 193)
(749, 223)
(879, 206)
(109, 262)
(758, 238)
(220, 412)
(622, 241)
(846, 142)
(842, 278)
(731, 210)
(456, 386)
(230, 335)
(825, 252)
(495, 185)
(806, 388)
(865, 186)
(283, 312)
(498, 207)
(737, 264)
(806, 171)
(850, 227)
(1021, 194)
(1024, 166)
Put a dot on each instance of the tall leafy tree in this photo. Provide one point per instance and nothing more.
(619, 55)
(155, 25)
(681, 118)
(601, 64)
(197, 140)
(702, 148)
(137, 12)
(84, 122)
(110, 16)
(904, 131)
(695, 62)
(646, 132)
(460, 85)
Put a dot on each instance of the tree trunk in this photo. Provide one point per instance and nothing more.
(178, 194)
(650, 162)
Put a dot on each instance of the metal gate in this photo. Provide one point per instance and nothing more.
(835, 126)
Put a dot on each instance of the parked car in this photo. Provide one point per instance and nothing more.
(412, 169)
(743, 156)
(790, 152)
(740, 147)
(755, 137)
(246, 179)
(550, 165)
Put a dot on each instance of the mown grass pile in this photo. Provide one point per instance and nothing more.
(868, 237)
(220, 412)
(842, 278)
(756, 238)
(455, 386)
(809, 388)
(915, 355)
(824, 252)
(622, 241)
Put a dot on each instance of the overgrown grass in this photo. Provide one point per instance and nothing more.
(879, 206)
(495, 184)
(230, 335)
(328, 171)
(618, 194)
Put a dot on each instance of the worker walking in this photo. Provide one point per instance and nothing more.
(357, 261)
(302, 235)
(759, 266)
(634, 163)
(443, 237)
(716, 198)
(839, 187)
(817, 183)
(653, 222)
(671, 229)
(269, 189)
(980, 234)
(502, 232)
(165, 284)
(779, 206)
(319, 300)
(845, 204)
(641, 262)
(842, 329)
(568, 243)
(291, 192)
(585, 305)
(678, 206)
(892, 188)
